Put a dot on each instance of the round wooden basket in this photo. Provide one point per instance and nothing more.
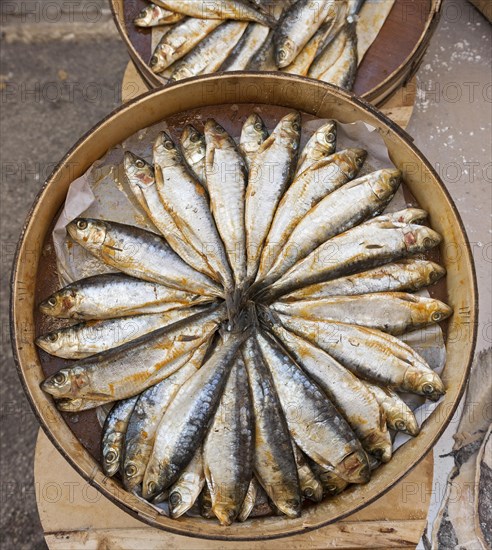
(389, 64)
(209, 94)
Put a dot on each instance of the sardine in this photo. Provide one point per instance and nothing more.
(250, 42)
(313, 421)
(339, 211)
(322, 144)
(264, 58)
(148, 412)
(186, 201)
(211, 52)
(115, 295)
(362, 247)
(253, 134)
(232, 9)
(314, 183)
(298, 25)
(331, 482)
(392, 312)
(274, 462)
(153, 15)
(114, 431)
(185, 491)
(90, 337)
(348, 393)
(229, 445)
(337, 64)
(180, 40)
(311, 487)
(205, 500)
(139, 253)
(141, 178)
(129, 369)
(407, 215)
(194, 149)
(370, 354)
(399, 416)
(411, 275)
(249, 500)
(185, 421)
(226, 181)
(269, 177)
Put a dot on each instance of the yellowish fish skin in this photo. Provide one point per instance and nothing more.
(187, 488)
(251, 41)
(253, 134)
(321, 144)
(310, 485)
(153, 15)
(194, 148)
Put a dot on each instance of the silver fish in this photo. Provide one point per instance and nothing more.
(411, 275)
(348, 393)
(185, 491)
(362, 247)
(310, 485)
(114, 431)
(314, 423)
(250, 42)
(253, 134)
(229, 446)
(211, 52)
(339, 211)
(194, 149)
(139, 253)
(232, 9)
(398, 414)
(337, 64)
(274, 462)
(370, 354)
(314, 183)
(115, 295)
(249, 500)
(141, 177)
(185, 421)
(269, 177)
(153, 15)
(392, 312)
(264, 58)
(331, 482)
(148, 412)
(90, 337)
(186, 201)
(226, 182)
(321, 144)
(407, 215)
(180, 40)
(129, 369)
(298, 25)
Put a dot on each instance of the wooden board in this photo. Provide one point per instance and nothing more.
(75, 516)
(399, 107)
(390, 62)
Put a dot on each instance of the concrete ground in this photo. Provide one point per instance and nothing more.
(54, 90)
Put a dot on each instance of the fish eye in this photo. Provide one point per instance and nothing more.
(82, 225)
(428, 389)
(436, 316)
(218, 128)
(111, 456)
(139, 163)
(258, 126)
(53, 337)
(143, 13)
(427, 242)
(331, 488)
(169, 145)
(130, 470)
(194, 137)
(59, 378)
(400, 425)
(308, 492)
(296, 126)
(151, 486)
(174, 499)
(351, 173)
(282, 54)
(153, 60)
(51, 301)
(330, 136)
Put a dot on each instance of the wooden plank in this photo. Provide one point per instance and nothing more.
(75, 516)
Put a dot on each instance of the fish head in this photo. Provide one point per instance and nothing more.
(254, 130)
(285, 53)
(61, 303)
(161, 58)
(436, 311)
(66, 382)
(433, 272)
(354, 468)
(378, 444)
(410, 215)
(69, 405)
(144, 18)
(288, 130)
(326, 136)
(351, 161)
(150, 484)
(53, 341)
(137, 170)
(427, 383)
(178, 503)
(385, 183)
(88, 232)
(402, 421)
(165, 151)
(111, 453)
(134, 470)
(419, 238)
(193, 142)
(332, 483)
